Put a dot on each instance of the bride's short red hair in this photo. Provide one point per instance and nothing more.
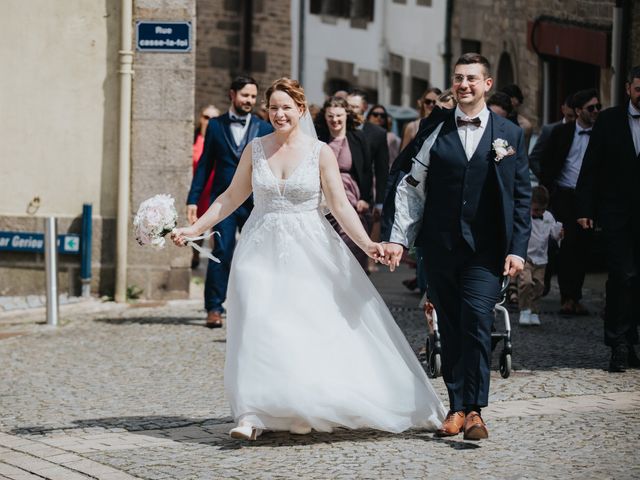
(290, 87)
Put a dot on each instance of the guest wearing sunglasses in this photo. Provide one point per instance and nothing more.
(206, 114)
(560, 166)
(426, 104)
(378, 115)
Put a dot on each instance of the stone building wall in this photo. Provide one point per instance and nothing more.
(501, 26)
(161, 135)
(219, 44)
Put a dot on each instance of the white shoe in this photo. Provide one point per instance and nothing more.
(245, 432)
(300, 429)
(525, 317)
(534, 319)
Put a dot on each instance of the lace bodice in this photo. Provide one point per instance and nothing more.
(297, 194)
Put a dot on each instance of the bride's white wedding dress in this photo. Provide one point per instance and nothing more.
(310, 342)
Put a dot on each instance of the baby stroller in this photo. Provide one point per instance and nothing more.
(432, 355)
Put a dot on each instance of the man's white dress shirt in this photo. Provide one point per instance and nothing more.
(237, 129)
(568, 177)
(634, 125)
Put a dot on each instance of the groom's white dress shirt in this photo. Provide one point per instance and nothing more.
(470, 135)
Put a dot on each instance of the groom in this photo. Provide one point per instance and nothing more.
(464, 197)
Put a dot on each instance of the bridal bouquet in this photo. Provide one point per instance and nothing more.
(156, 218)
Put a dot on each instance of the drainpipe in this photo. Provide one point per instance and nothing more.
(301, 46)
(616, 52)
(124, 150)
(447, 44)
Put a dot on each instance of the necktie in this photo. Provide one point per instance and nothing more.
(241, 121)
(584, 132)
(461, 122)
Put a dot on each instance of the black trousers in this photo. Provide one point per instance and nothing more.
(622, 288)
(574, 248)
(464, 287)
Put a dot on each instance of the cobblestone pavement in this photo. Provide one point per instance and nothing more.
(136, 392)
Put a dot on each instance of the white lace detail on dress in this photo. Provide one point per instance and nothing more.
(282, 207)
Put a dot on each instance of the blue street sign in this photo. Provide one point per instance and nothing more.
(34, 242)
(163, 36)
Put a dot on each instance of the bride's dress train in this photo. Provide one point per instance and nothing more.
(310, 342)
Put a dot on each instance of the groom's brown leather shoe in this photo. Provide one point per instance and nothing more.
(452, 425)
(474, 427)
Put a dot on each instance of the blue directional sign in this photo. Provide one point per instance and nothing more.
(163, 36)
(34, 242)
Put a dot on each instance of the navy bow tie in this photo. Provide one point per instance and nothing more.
(537, 217)
(584, 132)
(634, 116)
(241, 121)
(461, 122)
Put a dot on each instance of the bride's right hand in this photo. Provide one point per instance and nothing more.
(178, 235)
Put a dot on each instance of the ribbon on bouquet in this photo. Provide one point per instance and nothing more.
(191, 243)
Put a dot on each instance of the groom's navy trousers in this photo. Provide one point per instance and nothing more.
(464, 293)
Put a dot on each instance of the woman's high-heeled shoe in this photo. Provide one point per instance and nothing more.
(300, 429)
(245, 432)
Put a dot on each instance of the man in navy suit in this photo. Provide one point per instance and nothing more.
(225, 139)
(465, 199)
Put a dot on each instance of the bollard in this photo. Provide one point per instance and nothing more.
(51, 269)
(85, 250)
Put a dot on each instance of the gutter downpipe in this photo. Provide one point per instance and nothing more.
(616, 52)
(447, 44)
(124, 150)
(301, 46)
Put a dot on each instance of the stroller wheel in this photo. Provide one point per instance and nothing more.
(433, 361)
(434, 366)
(505, 365)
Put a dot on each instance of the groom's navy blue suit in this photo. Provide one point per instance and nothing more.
(222, 153)
(476, 213)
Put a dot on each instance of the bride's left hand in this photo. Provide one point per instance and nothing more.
(375, 251)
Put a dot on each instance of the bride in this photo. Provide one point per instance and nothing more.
(310, 342)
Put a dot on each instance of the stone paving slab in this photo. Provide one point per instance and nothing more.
(137, 392)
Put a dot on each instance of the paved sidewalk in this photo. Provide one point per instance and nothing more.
(121, 392)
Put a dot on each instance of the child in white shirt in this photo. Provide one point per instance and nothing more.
(531, 279)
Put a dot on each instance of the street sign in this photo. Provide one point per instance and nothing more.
(163, 36)
(34, 242)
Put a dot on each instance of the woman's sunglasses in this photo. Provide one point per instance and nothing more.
(428, 101)
(379, 114)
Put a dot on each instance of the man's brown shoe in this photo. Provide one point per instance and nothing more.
(214, 320)
(474, 427)
(452, 425)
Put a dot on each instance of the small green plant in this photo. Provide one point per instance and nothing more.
(134, 292)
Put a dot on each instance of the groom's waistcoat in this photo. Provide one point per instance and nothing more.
(463, 198)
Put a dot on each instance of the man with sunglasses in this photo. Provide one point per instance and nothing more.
(607, 192)
(560, 166)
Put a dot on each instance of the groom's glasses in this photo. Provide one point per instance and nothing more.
(471, 79)
(593, 108)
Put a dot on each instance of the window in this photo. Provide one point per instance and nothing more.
(396, 88)
(356, 10)
(418, 87)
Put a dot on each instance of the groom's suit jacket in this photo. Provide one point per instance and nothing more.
(482, 202)
(220, 151)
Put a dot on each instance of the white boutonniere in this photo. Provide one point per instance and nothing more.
(502, 149)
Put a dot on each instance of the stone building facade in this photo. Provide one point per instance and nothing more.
(501, 31)
(59, 144)
(249, 36)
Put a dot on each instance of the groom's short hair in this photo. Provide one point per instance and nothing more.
(242, 81)
(471, 58)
